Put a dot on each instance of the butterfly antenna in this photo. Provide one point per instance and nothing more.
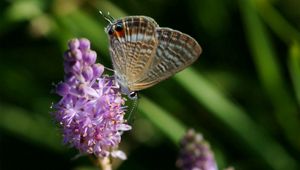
(110, 17)
(107, 17)
(134, 107)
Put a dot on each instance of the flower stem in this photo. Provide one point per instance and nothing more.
(105, 163)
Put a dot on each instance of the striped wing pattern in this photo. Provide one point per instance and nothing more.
(143, 54)
(175, 51)
(132, 52)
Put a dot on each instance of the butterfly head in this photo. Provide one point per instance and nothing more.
(115, 29)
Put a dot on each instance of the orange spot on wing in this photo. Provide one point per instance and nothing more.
(120, 33)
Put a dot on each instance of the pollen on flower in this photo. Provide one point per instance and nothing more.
(90, 112)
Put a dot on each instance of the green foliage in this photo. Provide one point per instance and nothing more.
(243, 93)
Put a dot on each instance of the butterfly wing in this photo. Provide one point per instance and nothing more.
(133, 49)
(175, 51)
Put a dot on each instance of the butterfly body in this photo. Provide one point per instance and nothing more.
(143, 54)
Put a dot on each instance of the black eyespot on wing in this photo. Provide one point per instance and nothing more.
(110, 31)
(119, 27)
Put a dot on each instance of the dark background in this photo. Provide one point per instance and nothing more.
(243, 93)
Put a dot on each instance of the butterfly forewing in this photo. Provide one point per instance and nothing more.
(132, 51)
(175, 51)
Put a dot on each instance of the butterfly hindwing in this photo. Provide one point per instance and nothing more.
(175, 51)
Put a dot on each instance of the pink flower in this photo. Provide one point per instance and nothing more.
(91, 110)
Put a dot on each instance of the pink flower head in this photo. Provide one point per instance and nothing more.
(195, 153)
(91, 111)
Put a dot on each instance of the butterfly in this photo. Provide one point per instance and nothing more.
(144, 54)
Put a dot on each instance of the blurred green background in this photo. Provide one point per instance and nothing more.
(243, 94)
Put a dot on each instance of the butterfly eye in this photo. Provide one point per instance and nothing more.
(119, 27)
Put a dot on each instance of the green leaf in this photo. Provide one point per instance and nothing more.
(270, 73)
(236, 118)
(163, 120)
(294, 67)
(37, 130)
(277, 22)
